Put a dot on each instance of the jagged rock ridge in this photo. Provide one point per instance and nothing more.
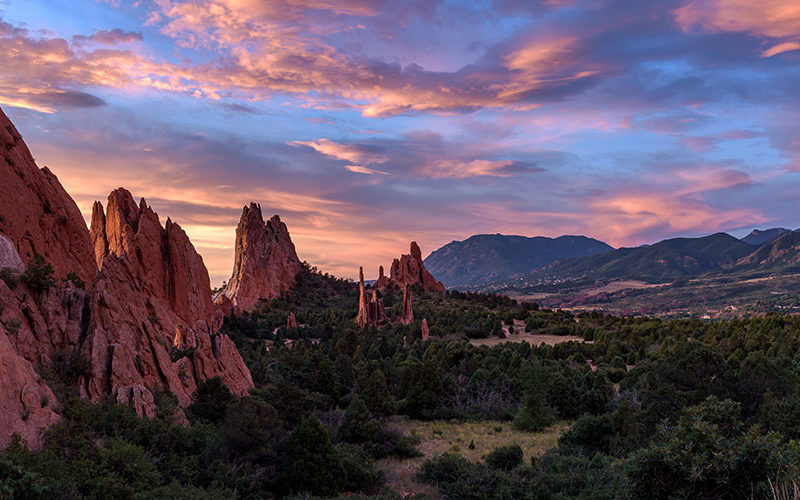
(409, 270)
(265, 261)
(145, 318)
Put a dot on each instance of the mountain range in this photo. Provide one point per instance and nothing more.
(486, 261)
(491, 257)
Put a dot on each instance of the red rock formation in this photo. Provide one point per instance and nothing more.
(26, 402)
(149, 303)
(407, 316)
(265, 262)
(363, 309)
(377, 311)
(426, 334)
(152, 292)
(370, 312)
(409, 270)
(383, 281)
(9, 258)
(291, 321)
(36, 214)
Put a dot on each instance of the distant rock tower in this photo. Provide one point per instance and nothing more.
(425, 332)
(370, 312)
(409, 270)
(407, 316)
(265, 261)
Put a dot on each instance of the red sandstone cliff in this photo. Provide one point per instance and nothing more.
(265, 261)
(145, 319)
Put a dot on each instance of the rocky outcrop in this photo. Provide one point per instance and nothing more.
(363, 309)
(409, 270)
(426, 333)
(152, 315)
(407, 316)
(383, 281)
(143, 319)
(370, 311)
(36, 214)
(291, 321)
(9, 258)
(265, 261)
(26, 402)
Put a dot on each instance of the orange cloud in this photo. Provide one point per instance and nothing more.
(464, 169)
(780, 49)
(767, 18)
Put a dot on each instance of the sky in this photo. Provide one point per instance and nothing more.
(366, 124)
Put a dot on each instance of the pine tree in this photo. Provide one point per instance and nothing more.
(312, 463)
(326, 382)
(358, 425)
(534, 414)
(377, 396)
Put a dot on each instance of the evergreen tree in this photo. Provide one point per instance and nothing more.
(326, 382)
(377, 396)
(210, 401)
(534, 413)
(312, 463)
(426, 394)
(358, 425)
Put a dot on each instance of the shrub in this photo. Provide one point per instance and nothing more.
(361, 473)
(39, 275)
(10, 277)
(505, 457)
(75, 279)
(312, 464)
(448, 467)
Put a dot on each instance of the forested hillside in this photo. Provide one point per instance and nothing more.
(641, 408)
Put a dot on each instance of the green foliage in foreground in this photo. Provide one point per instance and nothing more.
(661, 409)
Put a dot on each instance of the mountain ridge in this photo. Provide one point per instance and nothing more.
(489, 257)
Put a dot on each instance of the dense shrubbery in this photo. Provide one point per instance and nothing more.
(659, 408)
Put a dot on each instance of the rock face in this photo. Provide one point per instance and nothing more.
(407, 316)
(265, 261)
(370, 312)
(36, 214)
(26, 402)
(426, 333)
(291, 321)
(383, 281)
(409, 270)
(152, 314)
(9, 258)
(145, 319)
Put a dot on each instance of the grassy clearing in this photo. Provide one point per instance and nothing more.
(441, 436)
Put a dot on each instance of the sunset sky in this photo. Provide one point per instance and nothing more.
(366, 124)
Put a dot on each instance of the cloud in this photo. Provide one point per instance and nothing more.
(780, 49)
(765, 18)
(113, 37)
(464, 169)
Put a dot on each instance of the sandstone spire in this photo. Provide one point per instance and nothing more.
(363, 314)
(409, 270)
(383, 281)
(265, 261)
(407, 316)
(291, 321)
(425, 331)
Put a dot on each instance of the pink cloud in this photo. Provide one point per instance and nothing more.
(767, 18)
